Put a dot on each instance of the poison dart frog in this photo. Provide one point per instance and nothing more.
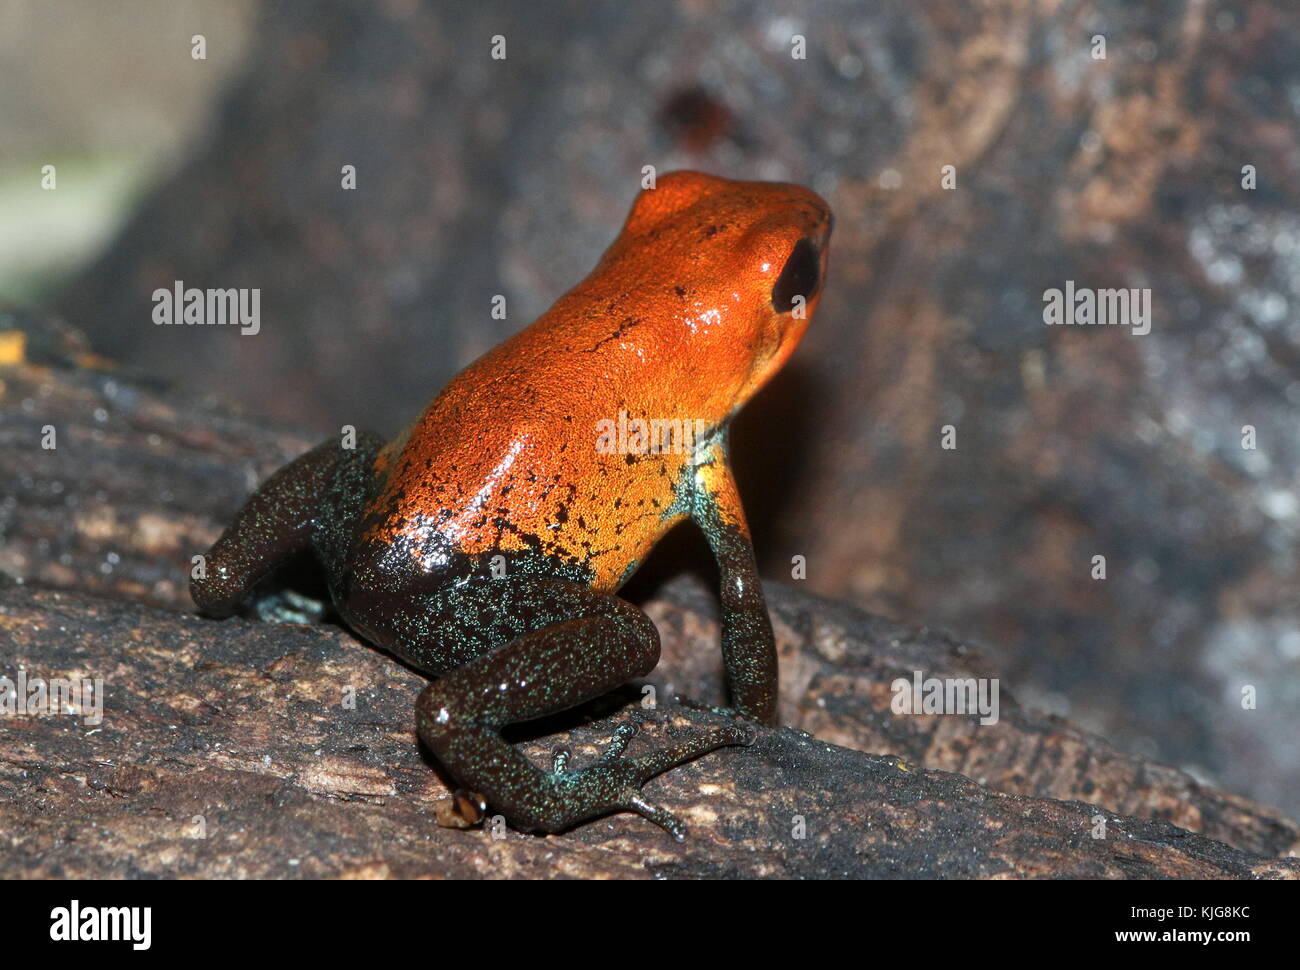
(486, 544)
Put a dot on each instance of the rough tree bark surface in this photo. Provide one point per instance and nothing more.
(227, 749)
(478, 177)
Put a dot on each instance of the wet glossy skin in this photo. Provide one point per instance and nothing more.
(485, 544)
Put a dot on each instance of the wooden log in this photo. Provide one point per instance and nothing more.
(228, 748)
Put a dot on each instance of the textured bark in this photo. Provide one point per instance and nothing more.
(226, 750)
(243, 724)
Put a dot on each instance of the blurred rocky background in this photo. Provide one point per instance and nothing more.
(477, 177)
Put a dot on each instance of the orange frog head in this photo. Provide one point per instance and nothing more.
(727, 274)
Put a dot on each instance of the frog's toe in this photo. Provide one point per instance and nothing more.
(560, 760)
(665, 819)
(289, 606)
(618, 742)
(672, 755)
(657, 762)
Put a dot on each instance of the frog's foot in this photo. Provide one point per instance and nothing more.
(614, 782)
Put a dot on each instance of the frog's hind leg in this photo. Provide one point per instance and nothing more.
(576, 644)
(290, 512)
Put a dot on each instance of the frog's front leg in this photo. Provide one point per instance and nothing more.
(283, 517)
(748, 646)
(570, 644)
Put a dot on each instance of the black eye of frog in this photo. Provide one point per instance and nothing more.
(800, 277)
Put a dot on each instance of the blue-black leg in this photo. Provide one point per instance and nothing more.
(748, 645)
(573, 644)
(302, 506)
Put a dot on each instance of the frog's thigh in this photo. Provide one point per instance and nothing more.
(575, 644)
(279, 519)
